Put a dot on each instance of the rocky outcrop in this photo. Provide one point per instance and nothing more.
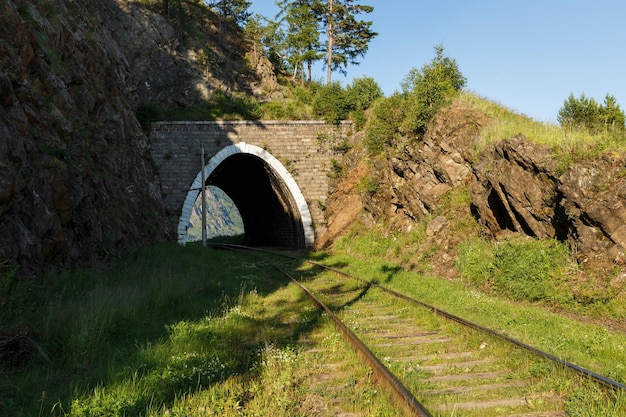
(517, 188)
(76, 180)
(419, 172)
(594, 202)
(178, 62)
(428, 169)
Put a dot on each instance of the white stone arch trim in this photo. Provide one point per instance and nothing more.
(277, 167)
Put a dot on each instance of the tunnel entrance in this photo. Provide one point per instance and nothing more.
(266, 207)
(223, 218)
(268, 199)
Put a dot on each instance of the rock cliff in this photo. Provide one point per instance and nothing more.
(76, 179)
(515, 186)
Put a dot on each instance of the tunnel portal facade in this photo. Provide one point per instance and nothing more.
(275, 172)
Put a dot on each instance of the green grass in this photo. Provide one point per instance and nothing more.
(105, 326)
(529, 322)
(568, 145)
(586, 344)
(163, 330)
(193, 331)
(521, 268)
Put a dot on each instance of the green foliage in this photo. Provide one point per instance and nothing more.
(425, 91)
(295, 106)
(568, 145)
(579, 113)
(336, 169)
(121, 337)
(14, 296)
(23, 9)
(330, 103)
(148, 113)
(611, 115)
(429, 89)
(368, 251)
(272, 38)
(178, 14)
(585, 113)
(360, 95)
(363, 92)
(302, 42)
(220, 107)
(523, 269)
(387, 116)
(368, 185)
(348, 37)
(235, 11)
(299, 36)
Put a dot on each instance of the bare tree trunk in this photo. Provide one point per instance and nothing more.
(330, 42)
(295, 72)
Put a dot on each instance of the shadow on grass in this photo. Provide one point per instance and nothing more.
(160, 323)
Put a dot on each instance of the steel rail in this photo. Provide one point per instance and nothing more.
(578, 369)
(382, 374)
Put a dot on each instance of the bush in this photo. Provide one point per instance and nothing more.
(387, 115)
(424, 92)
(585, 113)
(524, 269)
(147, 113)
(330, 103)
(429, 89)
(360, 96)
(362, 93)
(220, 106)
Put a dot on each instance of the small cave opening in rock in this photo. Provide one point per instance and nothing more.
(499, 211)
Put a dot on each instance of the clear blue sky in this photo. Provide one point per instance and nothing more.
(528, 55)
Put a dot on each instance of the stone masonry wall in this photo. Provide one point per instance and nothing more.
(305, 148)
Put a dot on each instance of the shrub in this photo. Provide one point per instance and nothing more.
(424, 92)
(362, 93)
(387, 115)
(585, 113)
(329, 103)
(429, 89)
(147, 113)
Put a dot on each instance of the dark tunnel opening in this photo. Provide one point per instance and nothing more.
(268, 210)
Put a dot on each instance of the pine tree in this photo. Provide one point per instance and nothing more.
(235, 11)
(307, 21)
(302, 36)
(348, 38)
(581, 113)
(611, 115)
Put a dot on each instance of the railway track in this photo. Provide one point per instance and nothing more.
(436, 364)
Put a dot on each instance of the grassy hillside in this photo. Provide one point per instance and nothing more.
(569, 145)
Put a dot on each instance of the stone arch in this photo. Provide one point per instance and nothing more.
(276, 167)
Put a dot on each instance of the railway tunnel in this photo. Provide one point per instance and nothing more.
(268, 211)
(271, 206)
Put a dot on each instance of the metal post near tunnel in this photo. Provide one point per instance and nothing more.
(203, 198)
